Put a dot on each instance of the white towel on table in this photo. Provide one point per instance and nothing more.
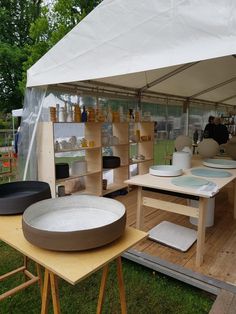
(209, 189)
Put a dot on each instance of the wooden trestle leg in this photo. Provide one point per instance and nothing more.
(50, 282)
(120, 285)
(102, 289)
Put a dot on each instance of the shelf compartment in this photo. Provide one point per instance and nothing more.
(88, 183)
(114, 187)
(140, 161)
(94, 160)
(122, 152)
(58, 181)
(146, 149)
(144, 166)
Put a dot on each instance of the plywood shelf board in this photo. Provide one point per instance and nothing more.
(89, 173)
(114, 187)
(78, 149)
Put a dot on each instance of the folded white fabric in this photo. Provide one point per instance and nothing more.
(209, 189)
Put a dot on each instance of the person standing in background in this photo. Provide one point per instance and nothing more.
(221, 133)
(209, 128)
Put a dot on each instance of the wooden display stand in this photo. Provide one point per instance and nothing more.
(91, 181)
(80, 264)
(164, 185)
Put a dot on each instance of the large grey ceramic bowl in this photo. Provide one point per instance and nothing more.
(74, 223)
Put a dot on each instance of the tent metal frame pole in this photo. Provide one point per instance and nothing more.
(90, 90)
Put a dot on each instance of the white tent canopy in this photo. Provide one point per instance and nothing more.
(173, 47)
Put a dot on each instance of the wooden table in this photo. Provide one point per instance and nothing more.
(72, 266)
(164, 185)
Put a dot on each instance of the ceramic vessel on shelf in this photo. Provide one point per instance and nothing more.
(231, 147)
(208, 148)
(182, 141)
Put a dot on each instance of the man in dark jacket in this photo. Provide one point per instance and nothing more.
(209, 129)
(220, 134)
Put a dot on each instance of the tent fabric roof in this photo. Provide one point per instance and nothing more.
(154, 46)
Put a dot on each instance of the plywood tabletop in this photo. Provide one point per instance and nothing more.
(71, 266)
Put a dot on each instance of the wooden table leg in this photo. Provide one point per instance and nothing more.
(201, 230)
(46, 290)
(40, 281)
(50, 281)
(55, 294)
(102, 289)
(26, 264)
(121, 286)
(139, 216)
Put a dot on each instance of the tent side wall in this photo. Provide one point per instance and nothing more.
(27, 140)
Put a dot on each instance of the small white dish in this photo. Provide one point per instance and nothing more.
(165, 171)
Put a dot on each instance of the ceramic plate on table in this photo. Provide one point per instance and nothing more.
(203, 172)
(165, 171)
(220, 163)
(189, 182)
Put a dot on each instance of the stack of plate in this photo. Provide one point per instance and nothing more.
(165, 171)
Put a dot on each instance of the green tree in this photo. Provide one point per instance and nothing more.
(54, 22)
(28, 29)
(16, 17)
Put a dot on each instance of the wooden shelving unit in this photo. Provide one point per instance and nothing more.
(144, 145)
(91, 181)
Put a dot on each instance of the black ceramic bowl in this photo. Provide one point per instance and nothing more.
(15, 197)
(111, 162)
(62, 170)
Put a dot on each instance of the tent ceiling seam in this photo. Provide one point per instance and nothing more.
(168, 75)
(228, 98)
(207, 90)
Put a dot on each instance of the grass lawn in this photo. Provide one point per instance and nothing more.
(147, 292)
